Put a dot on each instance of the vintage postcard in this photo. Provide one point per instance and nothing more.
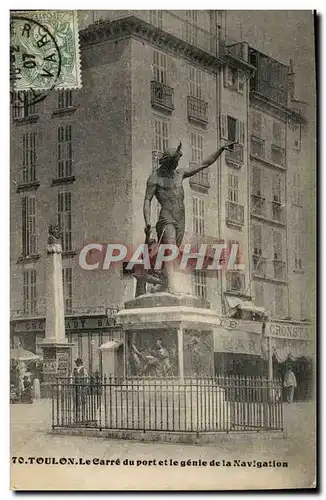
(162, 234)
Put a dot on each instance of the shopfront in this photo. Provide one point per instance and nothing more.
(291, 346)
(237, 348)
(86, 334)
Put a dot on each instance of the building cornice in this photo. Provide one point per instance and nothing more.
(270, 106)
(133, 27)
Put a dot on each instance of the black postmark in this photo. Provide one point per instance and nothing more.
(35, 61)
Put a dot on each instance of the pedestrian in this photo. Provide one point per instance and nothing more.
(290, 384)
(27, 392)
(80, 384)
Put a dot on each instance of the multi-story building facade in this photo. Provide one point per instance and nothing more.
(81, 159)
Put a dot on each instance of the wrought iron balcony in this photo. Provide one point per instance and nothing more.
(234, 213)
(279, 269)
(258, 205)
(236, 155)
(162, 96)
(235, 281)
(259, 266)
(257, 147)
(278, 155)
(197, 110)
(200, 180)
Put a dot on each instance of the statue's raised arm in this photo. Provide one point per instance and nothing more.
(208, 161)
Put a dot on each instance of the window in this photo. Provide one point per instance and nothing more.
(276, 188)
(259, 294)
(297, 195)
(297, 251)
(235, 281)
(29, 292)
(196, 82)
(257, 239)
(29, 157)
(278, 134)
(28, 226)
(190, 27)
(295, 134)
(234, 79)
(22, 106)
(64, 99)
(277, 240)
(233, 188)
(160, 66)
(256, 123)
(233, 130)
(64, 151)
(64, 219)
(256, 181)
(199, 284)
(279, 303)
(161, 135)
(196, 147)
(156, 18)
(67, 288)
(198, 212)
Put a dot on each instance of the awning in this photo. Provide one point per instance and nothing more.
(244, 305)
(20, 354)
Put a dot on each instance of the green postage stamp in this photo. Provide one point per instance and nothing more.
(44, 49)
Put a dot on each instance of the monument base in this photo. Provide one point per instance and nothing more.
(56, 363)
(168, 335)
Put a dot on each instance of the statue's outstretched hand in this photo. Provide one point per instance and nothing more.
(230, 147)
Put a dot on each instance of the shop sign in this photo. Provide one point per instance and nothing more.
(70, 324)
(287, 331)
(239, 342)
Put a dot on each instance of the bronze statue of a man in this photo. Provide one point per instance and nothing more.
(166, 184)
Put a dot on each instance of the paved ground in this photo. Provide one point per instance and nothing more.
(30, 437)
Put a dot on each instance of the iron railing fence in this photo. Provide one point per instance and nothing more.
(189, 405)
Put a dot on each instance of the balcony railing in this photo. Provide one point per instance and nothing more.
(197, 110)
(201, 179)
(257, 146)
(278, 155)
(258, 205)
(162, 96)
(259, 266)
(235, 281)
(236, 155)
(234, 213)
(278, 212)
(279, 269)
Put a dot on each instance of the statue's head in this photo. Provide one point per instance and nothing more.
(171, 157)
(55, 231)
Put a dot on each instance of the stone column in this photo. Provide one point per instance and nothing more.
(56, 350)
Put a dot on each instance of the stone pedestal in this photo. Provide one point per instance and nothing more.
(168, 335)
(56, 350)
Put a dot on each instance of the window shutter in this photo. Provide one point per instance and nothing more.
(256, 180)
(240, 132)
(224, 128)
(277, 236)
(257, 240)
(241, 81)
